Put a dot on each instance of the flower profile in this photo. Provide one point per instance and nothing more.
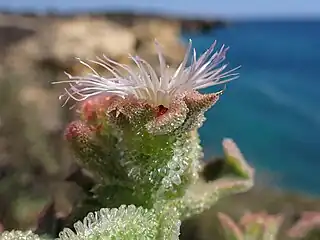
(136, 108)
(145, 84)
(138, 127)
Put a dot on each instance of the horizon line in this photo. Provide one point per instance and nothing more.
(156, 12)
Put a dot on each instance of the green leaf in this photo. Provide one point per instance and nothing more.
(236, 160)
(202, 195)
(231, 230)
(127, 223)
(19, 235)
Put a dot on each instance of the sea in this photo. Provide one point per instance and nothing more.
(273, 110)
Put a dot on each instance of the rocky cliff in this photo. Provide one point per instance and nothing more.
(61, 37)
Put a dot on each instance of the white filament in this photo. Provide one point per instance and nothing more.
(206, 71)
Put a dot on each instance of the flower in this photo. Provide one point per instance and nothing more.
(145, 84)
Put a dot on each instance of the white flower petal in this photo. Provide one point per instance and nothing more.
(206, 71)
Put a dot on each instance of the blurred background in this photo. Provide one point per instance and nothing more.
(272, 111)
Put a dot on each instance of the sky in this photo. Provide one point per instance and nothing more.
(207, 8)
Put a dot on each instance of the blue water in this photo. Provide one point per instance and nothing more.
(273, 110)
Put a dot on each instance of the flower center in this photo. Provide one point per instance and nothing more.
(161, 110)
